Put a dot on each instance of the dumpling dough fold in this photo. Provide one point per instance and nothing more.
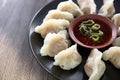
(69, 58)
(87, 6)
(116, 21)
(113, 55)
(119, 31)
(57, 14)
(71, 7)
(54, 43)
(94, 66)
(107, 8)
(52, 26)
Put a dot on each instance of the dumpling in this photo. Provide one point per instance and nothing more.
(116, 19)
(113, 55)
(87, 6)
(71, 7)
(57, 14)
(119, 31)
(107, 9)
(116, 42)
(68, 59)
(54, 43)
(52, 26)
(94, 66)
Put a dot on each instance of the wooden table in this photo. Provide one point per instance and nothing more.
(16, 59)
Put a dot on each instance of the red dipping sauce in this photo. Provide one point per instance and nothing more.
(106, 26)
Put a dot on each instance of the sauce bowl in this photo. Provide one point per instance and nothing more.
(107, 27)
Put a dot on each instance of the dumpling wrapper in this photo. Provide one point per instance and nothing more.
(116, 21)
(107, 8)
(94, 66)
(87, 6)
(71, 7)
(57, 14)
(113, 55)
(54, 43)
(52, 26)
(119, 31)
(116, 42)
(68, 59)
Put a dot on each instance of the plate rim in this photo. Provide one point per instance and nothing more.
(30, 44)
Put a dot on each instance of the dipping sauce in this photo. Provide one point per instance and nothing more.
(85, 39)
(105, 25)
(92, 30)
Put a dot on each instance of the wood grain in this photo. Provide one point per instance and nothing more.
(16, 59)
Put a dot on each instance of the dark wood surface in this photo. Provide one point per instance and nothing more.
(16, 59)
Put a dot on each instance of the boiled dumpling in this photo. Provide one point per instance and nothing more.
(54, 43)
(87, 6)
(94, 66)
(116, 19)
(71, 7)
(68, 59)
(116, 42)
(113, 55)
(52, 26)
(57, 14)
(119, 31)
(107, 9)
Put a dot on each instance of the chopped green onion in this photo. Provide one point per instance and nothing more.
(91, 29)
(83, 29)
(88, 22)
(95, 27)
(100, 33)
(95, 37)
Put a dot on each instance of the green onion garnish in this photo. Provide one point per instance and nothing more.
(95, 37)
(88, 22)
(91, 29)
(100, 33)
(83, 29)
(95, 27)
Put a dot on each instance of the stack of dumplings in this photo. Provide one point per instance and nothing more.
(94, 66)
(56, 39)
(59, 19)
(54, 43)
